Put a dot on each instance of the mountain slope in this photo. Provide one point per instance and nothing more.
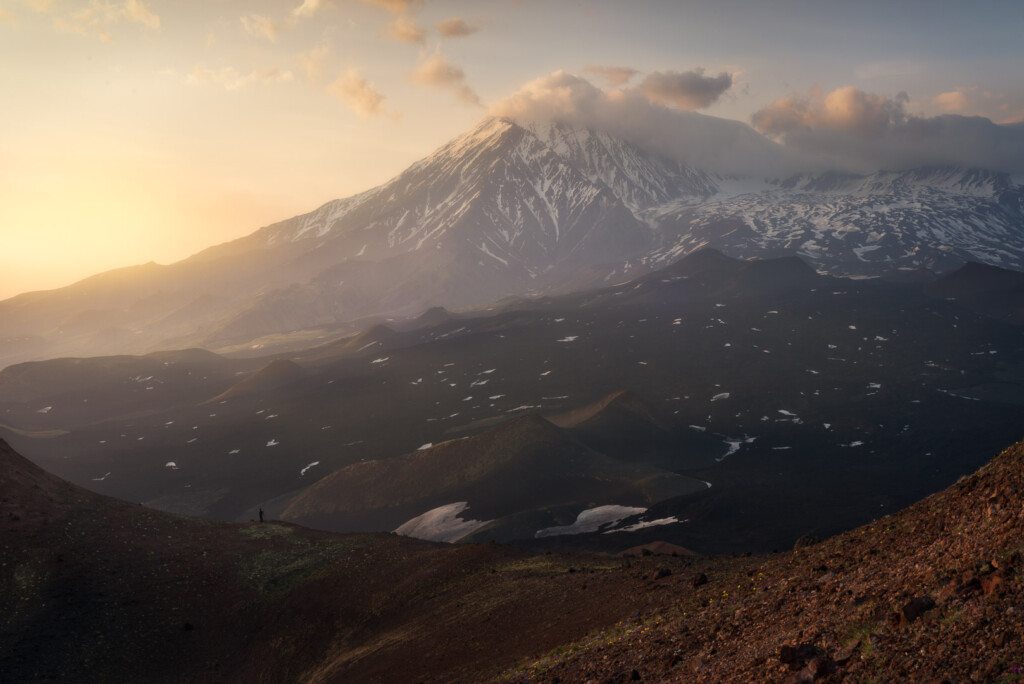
(96, 589)
(894, 600)
(93, 589)
(526, 465)
(935, 218)
(508, 210)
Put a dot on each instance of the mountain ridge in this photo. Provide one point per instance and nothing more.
(512, 210)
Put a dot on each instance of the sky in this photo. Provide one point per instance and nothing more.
(146, 130)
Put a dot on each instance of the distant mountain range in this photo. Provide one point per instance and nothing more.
(512, 210)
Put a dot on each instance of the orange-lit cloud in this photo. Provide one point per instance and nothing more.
(405, 30)
(953, 101)
(848, 109)
(685, 90)
(850, 128)
(6, 17)
(455, 27)
(309, 7)
(614, 76)
(396, 6)
(438, 72)
(231, 79)
(704, 142)
(314, 61)
(358, 94)
(261, 26)
(99, 15)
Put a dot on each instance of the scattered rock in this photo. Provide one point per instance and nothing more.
(917, 607)
(805, 541)
(700, 579)
(843, 655)
(991, 584)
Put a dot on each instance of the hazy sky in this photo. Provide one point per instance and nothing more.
(139, 130)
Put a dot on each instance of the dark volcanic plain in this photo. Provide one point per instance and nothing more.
(809, 405)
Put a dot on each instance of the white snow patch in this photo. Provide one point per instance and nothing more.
(101, 479)
(643, 524)
(381, 360)
(46, 409)
(591, 520)
(171, 464)
(441, 524)
(722, 395)
(570, 338)
(303, 471)
(272, 442)
(424, 447)
(861, 251)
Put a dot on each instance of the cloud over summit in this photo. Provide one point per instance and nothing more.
(701, 141)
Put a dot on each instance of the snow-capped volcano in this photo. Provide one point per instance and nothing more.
(523, 208)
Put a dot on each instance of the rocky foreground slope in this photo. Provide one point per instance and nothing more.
(95, 589)
(932, 593)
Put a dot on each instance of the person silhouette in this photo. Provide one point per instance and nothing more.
(261, 513)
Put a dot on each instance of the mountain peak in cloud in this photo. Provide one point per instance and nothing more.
(701, 141)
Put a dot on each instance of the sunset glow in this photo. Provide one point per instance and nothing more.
(147, 130)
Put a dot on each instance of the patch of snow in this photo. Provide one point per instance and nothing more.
(591, 520)
(381, 360)
(101, 479)
(721, 395)
(570, 338)
(272, 442)
(171, 464)
(644, 524)
(441, 524)
(303, 471)
(734, 446)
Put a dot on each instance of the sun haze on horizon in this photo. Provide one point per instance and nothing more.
(148, 130)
